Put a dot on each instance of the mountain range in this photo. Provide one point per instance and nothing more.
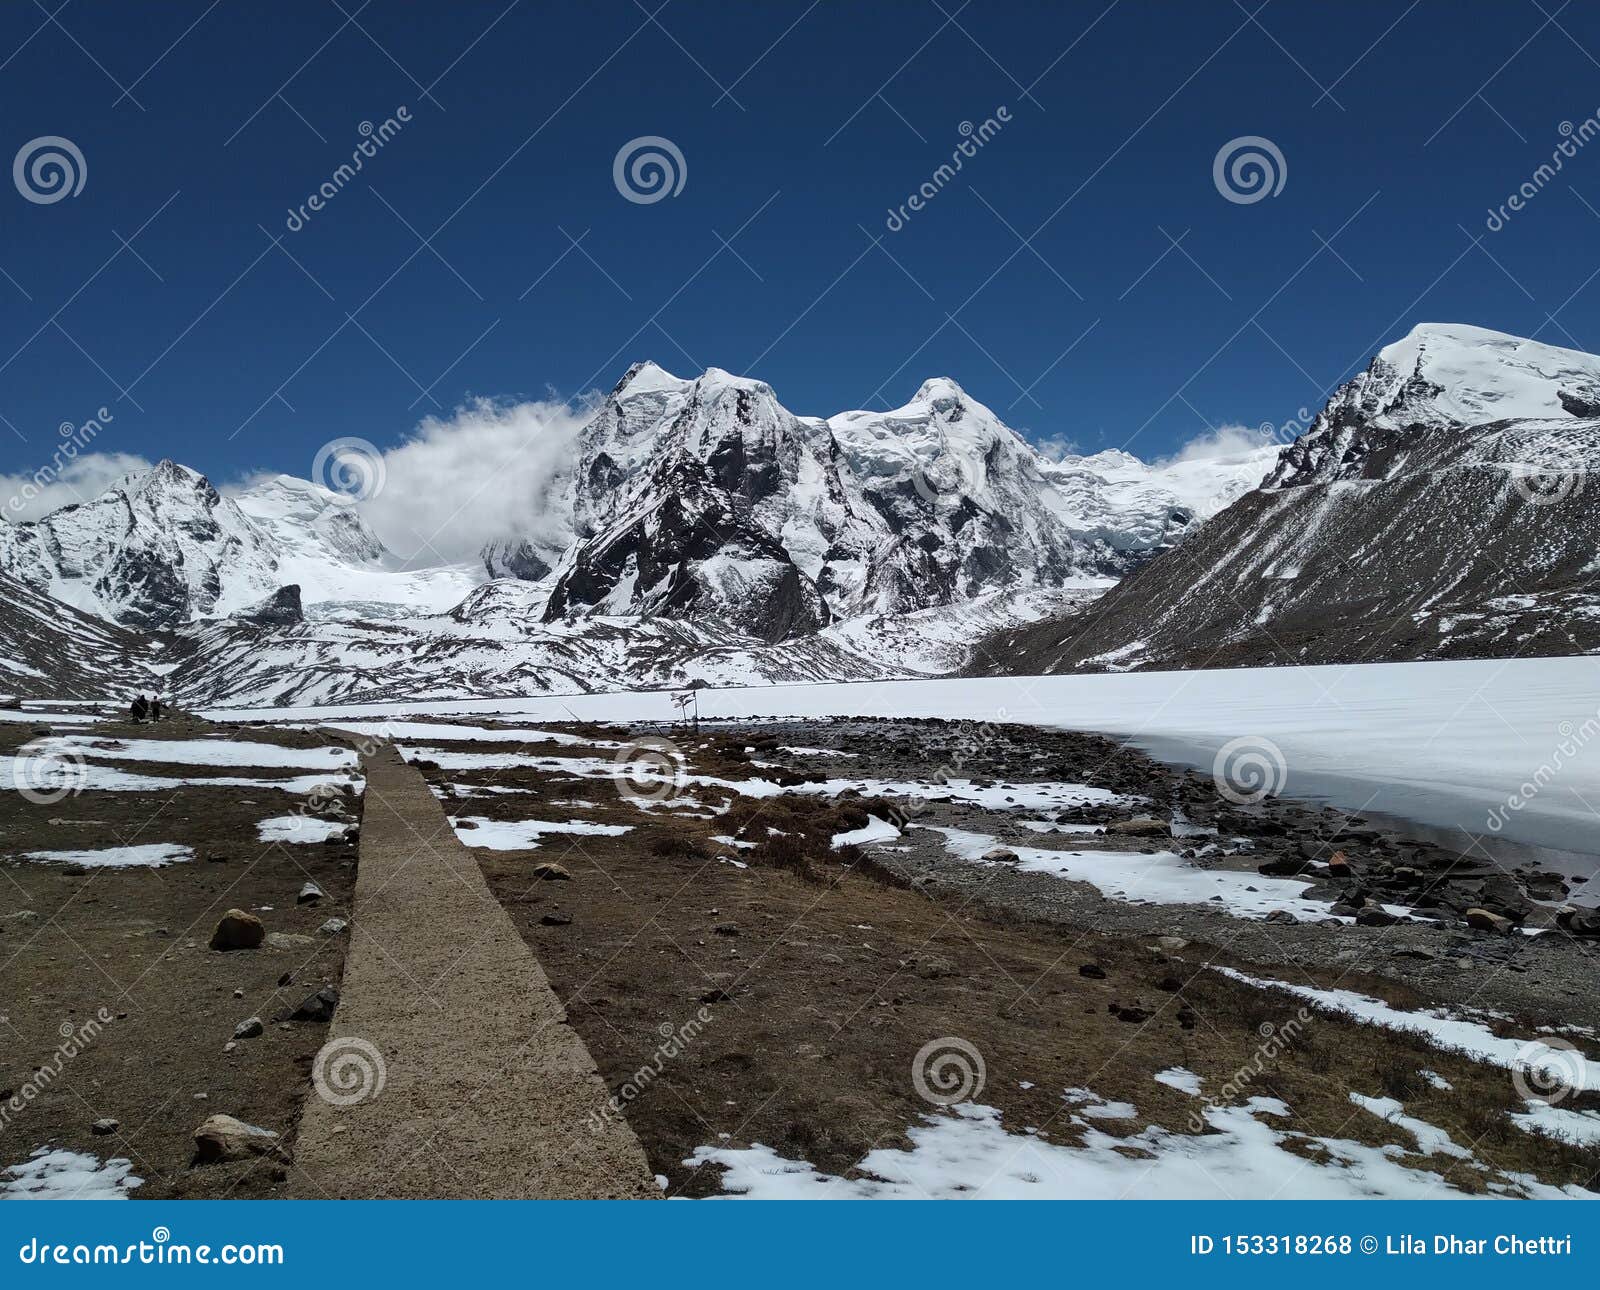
(699, 531)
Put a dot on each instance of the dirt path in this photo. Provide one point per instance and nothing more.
(451, 1071)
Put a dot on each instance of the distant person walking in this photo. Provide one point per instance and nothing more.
(138, 709)
(155, 707)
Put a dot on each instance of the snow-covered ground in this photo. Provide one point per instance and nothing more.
(148, 855)
(1466, 737)
(967, 1153)
(1160, 878)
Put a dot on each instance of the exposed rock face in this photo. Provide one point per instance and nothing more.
(709, 499)
(1437, 508)
(48, 649)
(280, 609)
(154, 550)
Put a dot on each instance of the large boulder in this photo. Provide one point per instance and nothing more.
(238, 930)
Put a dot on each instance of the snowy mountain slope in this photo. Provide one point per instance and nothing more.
(50, 650)
(707, 498)
(163, 547)
(1411, 521)
(322, 545)
(154, 549)
(494, 644)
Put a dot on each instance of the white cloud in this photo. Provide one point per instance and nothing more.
(1224, 441)
(492, 470)
(81, 479)
(1057, 447)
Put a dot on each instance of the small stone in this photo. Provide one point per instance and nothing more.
(238, 930)
(309, 894)
(550, 871)
(930, 967)
(222, 1137)
(1093, 971)
(333, 927)
(1124, 1012)
(1339, 866)
(1281, 916)
(1485, 921)
(249, 1028)
(318, 1007)
(100, 1128)
(718, 995)
(238, 994)
(555, 920)
(1000, 855)
(726, 929)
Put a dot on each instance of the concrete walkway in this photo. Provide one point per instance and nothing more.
(486, 1092)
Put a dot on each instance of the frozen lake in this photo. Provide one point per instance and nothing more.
(1452, 745)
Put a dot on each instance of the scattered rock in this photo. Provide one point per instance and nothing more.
(555, 920)
(238, 930)
(1281, 916)
(1484, 920)
(550, 871)
(249, 1028)
(1000, 855)
(333, 927)
(1375, 916)
(1339, 866)
(224, 1138)
(309, 894)
(100, 1128)
(1093, 971)
(1124, 1012)
(726, 929)
(1143, 826)
(930, 967)
(318, 1007)
(718, 995)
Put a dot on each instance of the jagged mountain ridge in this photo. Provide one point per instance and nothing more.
(708, 498)
(1438, 507)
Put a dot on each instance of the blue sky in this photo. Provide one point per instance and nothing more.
(1044, 276)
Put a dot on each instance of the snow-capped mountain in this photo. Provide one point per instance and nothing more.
(164, 547)
(1439, 506)
(153, 550)
(699, 530)
(708, 498)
